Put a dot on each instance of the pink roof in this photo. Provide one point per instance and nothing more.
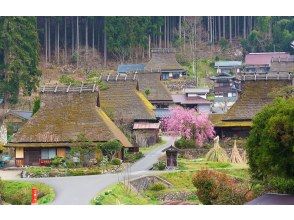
(183, 99)
(263, 58)
(145, 125)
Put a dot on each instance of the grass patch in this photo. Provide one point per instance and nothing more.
(19, 193)
(146, 150)
(119, 194)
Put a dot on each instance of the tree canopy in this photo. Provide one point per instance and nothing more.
(270, 146)
(19, 56)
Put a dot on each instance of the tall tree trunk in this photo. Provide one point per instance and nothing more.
(224, 27)
(149, 46)
(244, 27)
(49, 35)
(78, 41)
(184, 33)
(65, 41)
(235, 24)
(230, 29)
(93, 37)
(165, 38)
(105, 44)
(86, 38)
(219, 28)
(72, 37)
(58, 42)
(160, 36)
(180, 27)
(46, 41)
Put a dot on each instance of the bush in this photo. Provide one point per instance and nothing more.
(58, 162)
(20, 193)
(157, 187)
(270, 144)
(183, 143)
(116, 161)
(215, 188)
(280, 185)
(67, 80)
(133, 157)
(161, 165)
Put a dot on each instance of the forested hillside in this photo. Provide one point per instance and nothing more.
(97, 42)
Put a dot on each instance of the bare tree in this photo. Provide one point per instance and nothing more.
(230, 28)
(46, 41)
(78, 41)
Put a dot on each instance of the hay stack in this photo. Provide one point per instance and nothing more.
(244, 157)
(217, 153)
(235, 156)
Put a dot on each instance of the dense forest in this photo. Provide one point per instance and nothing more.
(24, 41)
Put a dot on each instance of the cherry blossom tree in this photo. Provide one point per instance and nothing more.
(189, 124)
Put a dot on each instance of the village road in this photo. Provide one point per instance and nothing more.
(79, 190)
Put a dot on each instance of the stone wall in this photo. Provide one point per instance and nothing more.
(145, 138)
(143, 183)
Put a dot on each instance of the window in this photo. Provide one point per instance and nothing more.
(48, 153)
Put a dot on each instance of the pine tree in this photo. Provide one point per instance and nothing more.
(19, 58)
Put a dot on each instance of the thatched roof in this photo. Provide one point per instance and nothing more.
(217, 121)
(158, 91)
(123, 100)
(63, 115)
(254, 96)
(283, 65)
(163, 60)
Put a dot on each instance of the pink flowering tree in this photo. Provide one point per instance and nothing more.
(189, 124)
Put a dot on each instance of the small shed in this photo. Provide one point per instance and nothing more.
(171, 156)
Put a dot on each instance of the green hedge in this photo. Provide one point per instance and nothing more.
(20, 193)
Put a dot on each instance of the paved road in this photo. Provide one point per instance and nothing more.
(79, 190)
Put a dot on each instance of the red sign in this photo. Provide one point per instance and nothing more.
(34, 196)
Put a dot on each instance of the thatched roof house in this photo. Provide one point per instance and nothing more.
(164, 60)
(123, 100)
(65, 113)
(254, 96)
(125, 104)
(159, 94)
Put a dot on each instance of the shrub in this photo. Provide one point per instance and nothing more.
(280, 185)
(19, 193)
(38, 171)
(58, 162)
(37, 104)
(133, 157)
(157, 187)
(67, 80)
(215, 188)
(161, 165)
(270, 144)
(116, 161)
(183, 143)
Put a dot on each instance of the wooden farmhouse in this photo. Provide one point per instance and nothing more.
(254, 96)
(164, 61)
(228, 67)
(260, 63)
(156, 92)
(123, 102)
(65, 112)
(282, 65)
(225, 85)
(193, 98)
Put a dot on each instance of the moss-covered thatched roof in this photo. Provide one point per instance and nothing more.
(217, 121)
(254, 96)
(163, 60)
(63, 115)
(158, 91)
(123, 101)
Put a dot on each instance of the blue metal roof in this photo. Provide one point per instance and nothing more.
(23, 114)
(127, 68)
(224, 63)
(162, 112)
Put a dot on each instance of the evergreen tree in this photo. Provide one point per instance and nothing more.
(19, 56)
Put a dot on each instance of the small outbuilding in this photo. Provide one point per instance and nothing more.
(171, 156)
